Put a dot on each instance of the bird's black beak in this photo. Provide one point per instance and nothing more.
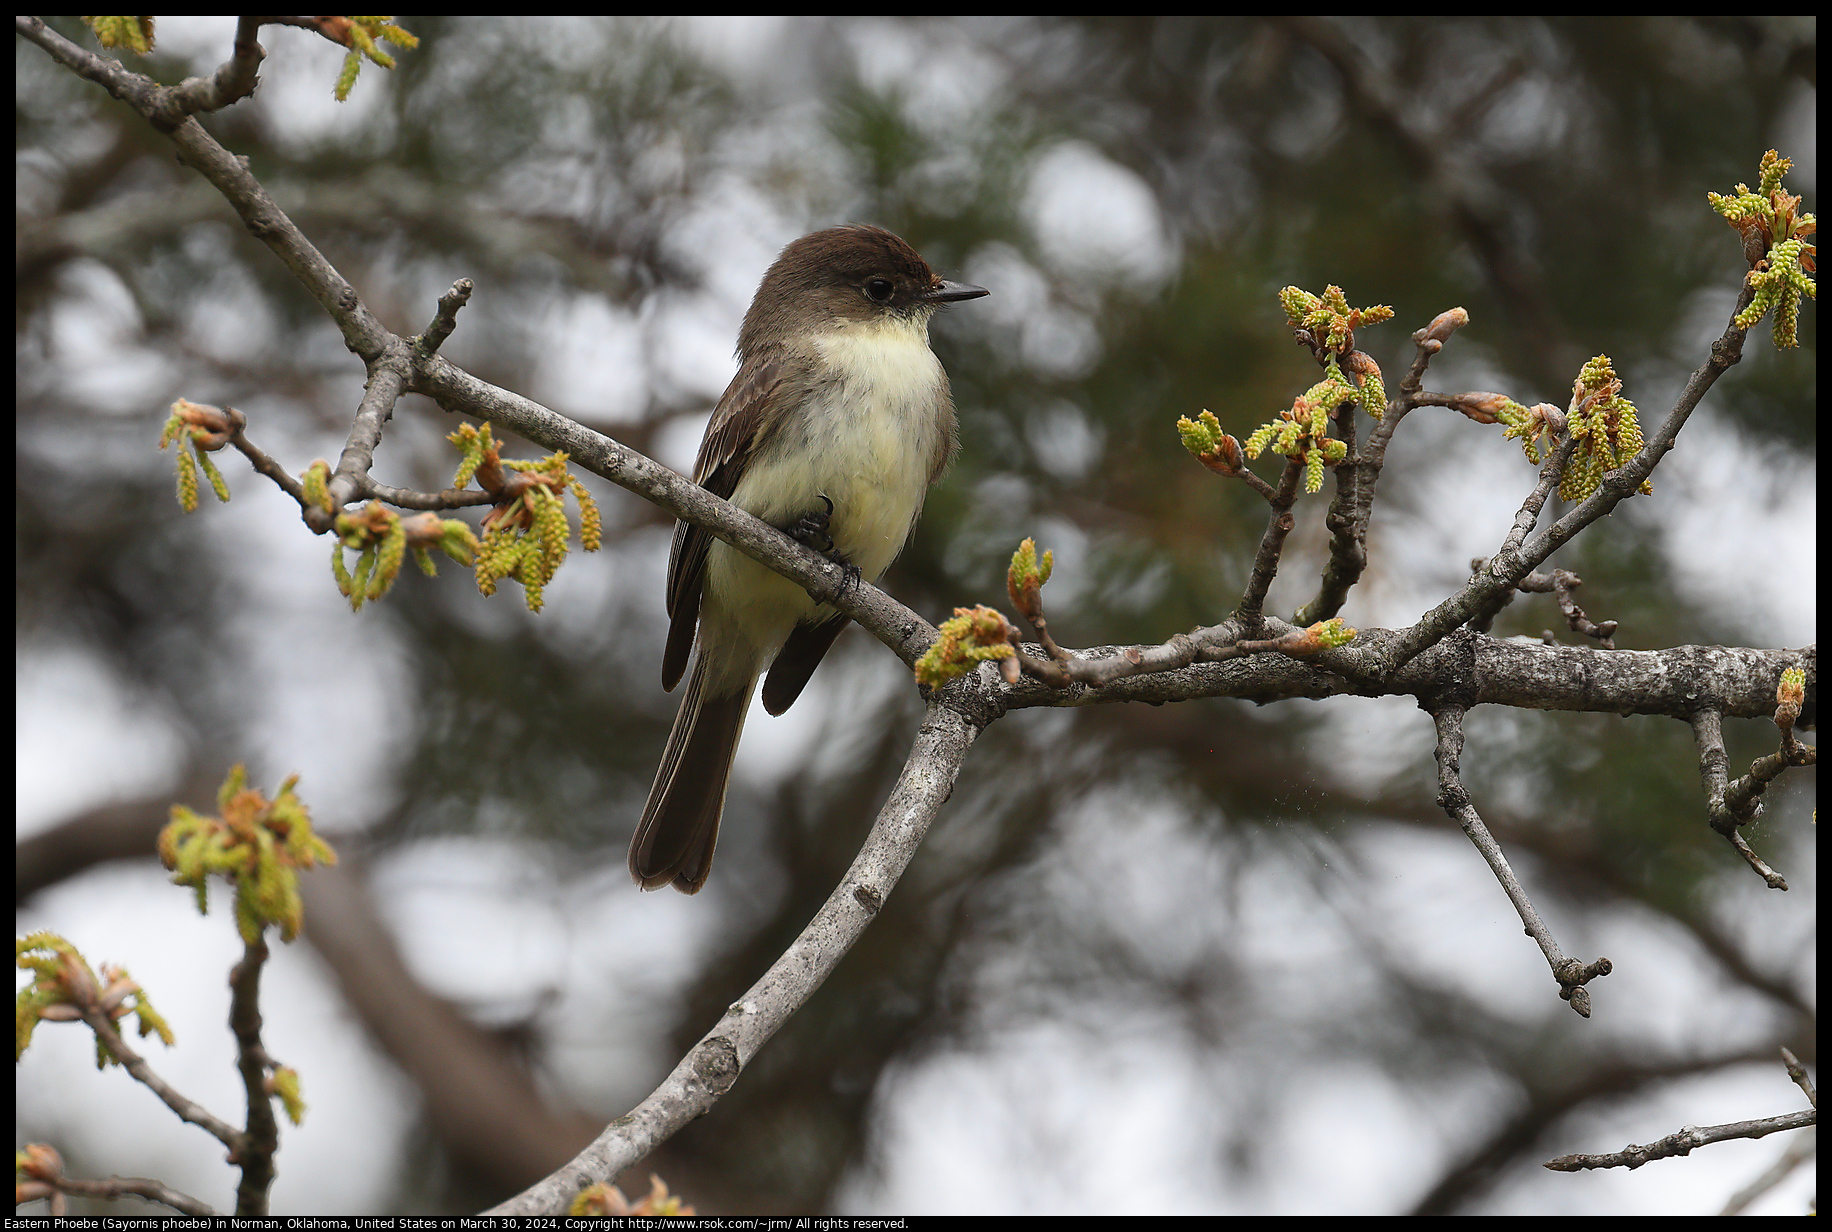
(949, 292)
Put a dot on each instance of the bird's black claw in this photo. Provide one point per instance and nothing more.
(811, 528)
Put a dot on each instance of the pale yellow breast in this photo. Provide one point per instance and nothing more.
(865, 436)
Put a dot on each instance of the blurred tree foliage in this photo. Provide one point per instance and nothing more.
(1548, 174)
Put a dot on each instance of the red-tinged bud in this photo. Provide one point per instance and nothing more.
(78, 984)
(40, 1162)
(1549, 415)
(1231, 456)
(1442, 326)
(118, 990)
(1481, 406)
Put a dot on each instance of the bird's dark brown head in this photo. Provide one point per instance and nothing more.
(844, 275)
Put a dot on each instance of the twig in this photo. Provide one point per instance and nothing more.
(1562, 583)
(1744, 796)
(364, 485)
(387, 382)
(1684, 1142)
(136, 1065)
(1359, 472)
(1708, 734)
(1798, 1073)
(407, 498)
(1252, 605)
(1347, 522)
(137, 1186)
(446, 319)
(1571, 974)
(110, 1188)
(262, 462)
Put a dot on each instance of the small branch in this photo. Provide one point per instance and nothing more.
(1493, 588)
(1358, 472)
(233, 81)
(1256, 483)
(407, 498)
(255, 1156)
(1684, 1142)
(1104, 665)
(1527, 516)
(122, 1186)
(1744, 796)
(445, 320)
(1348, 527)
(1058, 656)
(1620, 484)
(1708, 734)
(1476, 405)
(1062, 668)
(1228, 461)
(1428, 342)
(1563, 584)
(136, 1065)
(1571, 974)
(387, 382)
(714, 1064)
(365, 486)
(1520, 555)
(260, 460)
(165, 106)
(1252, 604)
(1798, 1073)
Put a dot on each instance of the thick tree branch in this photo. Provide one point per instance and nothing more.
(713, 1065)
(906, 633)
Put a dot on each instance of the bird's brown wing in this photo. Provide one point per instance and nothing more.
(731, 438)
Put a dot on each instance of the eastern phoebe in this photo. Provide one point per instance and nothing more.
(838, 421)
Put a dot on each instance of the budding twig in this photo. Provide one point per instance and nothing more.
(1708, 734)
(1742, 798)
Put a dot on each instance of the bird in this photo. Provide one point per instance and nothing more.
(838, 421)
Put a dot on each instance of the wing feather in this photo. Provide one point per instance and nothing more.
(731, 438)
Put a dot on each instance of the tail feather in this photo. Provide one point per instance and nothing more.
(680, 824)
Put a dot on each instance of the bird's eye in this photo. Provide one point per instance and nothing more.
(879, 290)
